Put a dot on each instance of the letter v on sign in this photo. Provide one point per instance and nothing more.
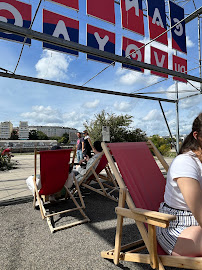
(160, 59)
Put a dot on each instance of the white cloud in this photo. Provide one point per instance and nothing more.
(189, 42)
(132, 77)
(92, 104)
(123, 106)
(183, 89)
(43, 115)
(153, 115)
(53, 65)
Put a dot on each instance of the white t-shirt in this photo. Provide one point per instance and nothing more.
(184, 165)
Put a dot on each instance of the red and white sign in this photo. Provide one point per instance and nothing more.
(103, 10)
(180, 65)
(160, 59)
(67, 3)
(131, 49)
(132, 16)
(17, 13)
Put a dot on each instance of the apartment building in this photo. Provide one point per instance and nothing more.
(6, 129)
(23, 132)
(52, 131)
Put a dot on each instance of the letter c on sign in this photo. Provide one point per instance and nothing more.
(179, 28)
(14, 11)
(135, 55)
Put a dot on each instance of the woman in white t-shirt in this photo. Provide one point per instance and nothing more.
(183, 198)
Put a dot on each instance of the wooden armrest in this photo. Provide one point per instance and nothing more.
(146, 216)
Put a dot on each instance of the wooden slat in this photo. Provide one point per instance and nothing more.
(153, 246)
(142, 216)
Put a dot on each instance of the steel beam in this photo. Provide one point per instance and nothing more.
(86, 49)
(78, 87)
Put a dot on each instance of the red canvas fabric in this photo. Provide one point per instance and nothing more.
(54, 170)
(140, 174)
(101, 165)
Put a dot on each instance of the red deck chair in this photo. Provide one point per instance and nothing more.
(141, 187)
(54, 171)
(107, 183)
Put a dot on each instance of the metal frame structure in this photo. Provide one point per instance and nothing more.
(29, 33)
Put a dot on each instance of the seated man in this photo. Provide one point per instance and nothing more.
(80, 171)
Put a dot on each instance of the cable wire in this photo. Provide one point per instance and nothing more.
(26, 37)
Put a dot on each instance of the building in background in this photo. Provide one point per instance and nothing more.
(5, 130)
(55, 131)
(23, 132)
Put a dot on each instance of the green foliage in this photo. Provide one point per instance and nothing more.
(64, 139)
(14, 135)
(5, 163)
(33, 135)
(57, 138)
(42, 136)
(162, 144)
(119, 128)
(37, 135)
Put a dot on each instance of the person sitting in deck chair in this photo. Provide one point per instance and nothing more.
(30, 184)
(183, 198)
(80, 170)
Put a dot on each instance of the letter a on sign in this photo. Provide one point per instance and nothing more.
(180, 65)
(178, 33)
(160, 59)
(132, 16)
(157, 20)
(102, 9)
(17, 13)
(67, 3)
(62, 27)
(100, 39)
(130, 49)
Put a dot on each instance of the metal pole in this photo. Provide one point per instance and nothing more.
(199, 50)
(177, 118)
(168, 126)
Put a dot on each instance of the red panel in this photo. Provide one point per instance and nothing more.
(67, 3)
(180, 65)
(103, 10)
(140, 174)
(23, 8)
(132, 18)
(160, 59)
(54, 170)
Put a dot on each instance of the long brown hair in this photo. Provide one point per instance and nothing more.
(191, 143)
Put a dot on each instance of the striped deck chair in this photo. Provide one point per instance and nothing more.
(54, 171)
(106, 182)
(142, 188)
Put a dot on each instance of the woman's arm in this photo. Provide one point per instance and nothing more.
(82, 146)
(192, 193)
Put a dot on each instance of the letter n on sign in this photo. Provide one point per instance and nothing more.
(180, 65)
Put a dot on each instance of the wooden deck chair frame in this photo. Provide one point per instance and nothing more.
(141, 216)
(47, 216)
(105, 189)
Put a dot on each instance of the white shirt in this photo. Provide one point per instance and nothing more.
(184, 165)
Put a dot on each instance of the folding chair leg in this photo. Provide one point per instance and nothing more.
(117, 249)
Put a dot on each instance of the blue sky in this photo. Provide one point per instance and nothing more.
(50, 105)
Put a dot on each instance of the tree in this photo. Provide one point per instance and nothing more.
(42, 136)
(33, 135)
(119, 128)
(14, 135)
(37, 135)
(162, 144)
(64, 139)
